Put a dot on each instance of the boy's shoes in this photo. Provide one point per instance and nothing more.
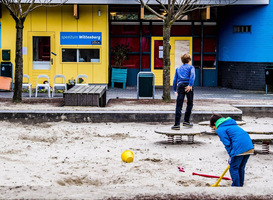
(188, 124)
(175, 127)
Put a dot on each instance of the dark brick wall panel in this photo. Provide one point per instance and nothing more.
(242, 75)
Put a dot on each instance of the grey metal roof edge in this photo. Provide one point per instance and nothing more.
(135, 2)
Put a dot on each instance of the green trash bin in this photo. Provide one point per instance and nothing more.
(6, 69)
(145, 84)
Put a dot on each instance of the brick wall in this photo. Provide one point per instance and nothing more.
(242, 75)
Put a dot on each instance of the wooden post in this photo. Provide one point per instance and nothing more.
(141, 12)
(207, 12)
(76, 11)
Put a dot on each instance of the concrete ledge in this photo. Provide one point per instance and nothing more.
(258, 110)
(106, 116)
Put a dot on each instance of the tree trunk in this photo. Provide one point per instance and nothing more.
(17, 95)
(166, 61)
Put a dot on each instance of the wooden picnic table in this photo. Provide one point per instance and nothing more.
(175, 136)
(86, 95)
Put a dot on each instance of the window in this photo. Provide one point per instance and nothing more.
(242, 29)
(158, 54)
(41, 48)
(118, 12)
(41, 52)
(80, 55)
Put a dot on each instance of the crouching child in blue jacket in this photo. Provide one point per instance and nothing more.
(238, 144)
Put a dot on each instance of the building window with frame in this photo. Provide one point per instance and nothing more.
(41, 48)
(41, 52)
(80, 55)
(242, 29)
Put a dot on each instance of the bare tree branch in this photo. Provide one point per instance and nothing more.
(151, 10)
(19, 9)
(162, 5)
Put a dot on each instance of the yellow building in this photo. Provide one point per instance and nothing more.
(68, 40)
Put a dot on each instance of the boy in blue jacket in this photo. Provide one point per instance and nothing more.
(183, 86)
(238, 144)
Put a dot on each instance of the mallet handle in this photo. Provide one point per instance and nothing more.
(210, 176)
(218, 181)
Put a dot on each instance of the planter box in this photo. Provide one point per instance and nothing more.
(69, 86)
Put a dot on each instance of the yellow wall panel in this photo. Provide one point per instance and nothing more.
(54, 24)
(100, 24)
(157, 72)
(38, 19)
(27, 27)
(99, 74)
(8, 34)
(70, 71)
(69, 23)
(54, 19)
(86, 69)
(85, 18)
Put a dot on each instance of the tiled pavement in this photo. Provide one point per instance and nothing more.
(199, 93)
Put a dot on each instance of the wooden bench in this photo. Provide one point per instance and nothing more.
(175, 136)
(86, 95)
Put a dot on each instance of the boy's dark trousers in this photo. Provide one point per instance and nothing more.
(179, 104)
(237, 170)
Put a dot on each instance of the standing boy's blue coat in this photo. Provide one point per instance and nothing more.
(184, 74)
(235, 139)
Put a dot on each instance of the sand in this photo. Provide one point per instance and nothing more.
(83, 161)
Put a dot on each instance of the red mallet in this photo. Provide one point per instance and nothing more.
(210, 176)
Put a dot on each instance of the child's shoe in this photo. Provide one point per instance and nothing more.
(175, 127)
(188, 124)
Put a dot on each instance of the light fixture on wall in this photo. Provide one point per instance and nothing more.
(113, 15)
(99, 13)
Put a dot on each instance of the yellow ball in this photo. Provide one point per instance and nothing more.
(127, 156)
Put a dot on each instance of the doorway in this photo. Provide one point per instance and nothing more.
(179, 46)
(41, 54)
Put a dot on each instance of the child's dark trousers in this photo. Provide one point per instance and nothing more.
(237, 170)
(179, 103)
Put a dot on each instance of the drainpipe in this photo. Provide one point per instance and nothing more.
(201, 57)
(140, 47)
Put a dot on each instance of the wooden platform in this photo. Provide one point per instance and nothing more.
(175, 136)
(264, 140)
(86, 95)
